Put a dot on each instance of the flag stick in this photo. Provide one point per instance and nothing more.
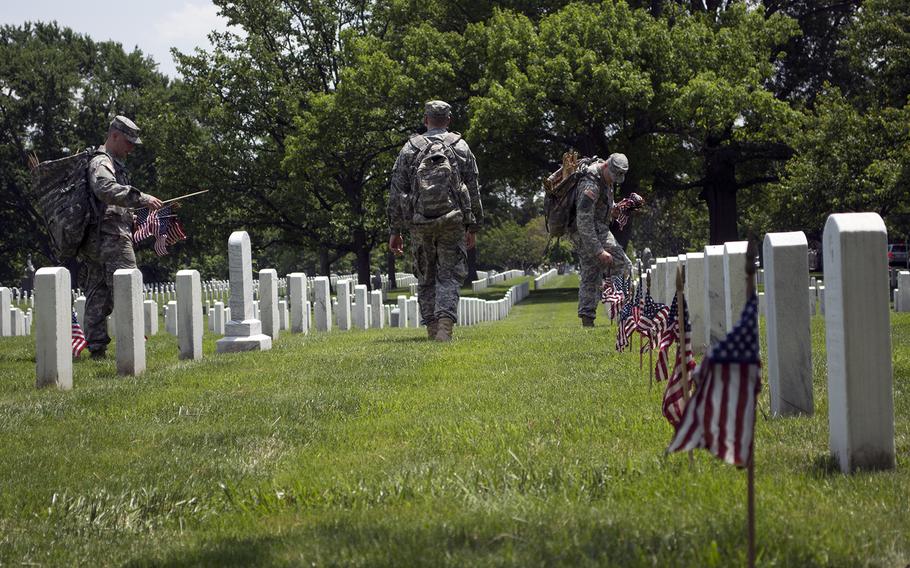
(179, 198)
(681, 345)
(651, 350)
(751, 253)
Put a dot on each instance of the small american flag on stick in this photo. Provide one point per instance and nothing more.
(79, 342)
(720, 417)
(163, 225)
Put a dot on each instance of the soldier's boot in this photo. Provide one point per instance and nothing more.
(432, 329)
(587, 321)
(98, 353)
(444, 333)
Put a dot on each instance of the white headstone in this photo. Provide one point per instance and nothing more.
(715, 296)
(902, 298)
(322, 303)
(787, 323)
(361, 307)
(402, 311)
(170, 318)
(150, 317)
(219, 318)
(858, 342)
(395, 318)
(242, 332)
(695, 299)
(297, 298)
(268, 303)
(53, 331)
(377, 319)
(79, 306)
(283, 314)
(130, 321)
(6, 326)
(189, 314)
(343, 316)
(734, 281)
(669, 283)
(657, 278)
(413, 313)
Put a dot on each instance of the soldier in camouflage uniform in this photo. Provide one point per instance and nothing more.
(109, 245)
(597, 249)
(440, 244)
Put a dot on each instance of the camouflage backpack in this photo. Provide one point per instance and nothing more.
(65, 201)
(560, 193)
(436, 186)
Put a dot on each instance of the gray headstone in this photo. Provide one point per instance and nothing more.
(322, 303)
(171, 324)
(79, 306)
(268, 303)
(669, 284)
(219, 321)
(343, 287)
(695, 298)
(150, 317)
(858, 342)
(377, 319)
(53, 330)
(403, 311)
(657, 278)
(297, 300)
(395, 318)
(787, 324)
(6, 302)
(413, 313)
(130, 321)
(283, 314)
(362, 307)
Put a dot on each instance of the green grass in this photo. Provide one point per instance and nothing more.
(527, 442)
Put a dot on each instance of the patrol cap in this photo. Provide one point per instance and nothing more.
(619, 165)
(438, 109)
(127, 127)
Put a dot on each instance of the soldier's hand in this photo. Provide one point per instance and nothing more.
(470, 240)
(154, 204)
(396, 245)
(605, 258)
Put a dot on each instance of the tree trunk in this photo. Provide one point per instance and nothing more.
(720, 194)
(324, 265)
(362, 250)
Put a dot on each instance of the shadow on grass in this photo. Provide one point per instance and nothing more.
(395, 339)
(824, 465)
(552, 296)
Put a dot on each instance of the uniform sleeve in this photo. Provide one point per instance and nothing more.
(585, 221)
(399, 190)
(104, 185)
(470, 177)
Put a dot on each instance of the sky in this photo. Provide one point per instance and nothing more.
(154, 26)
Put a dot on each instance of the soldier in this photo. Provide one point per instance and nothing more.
(596, 246)
(436, 196)
(109, 245)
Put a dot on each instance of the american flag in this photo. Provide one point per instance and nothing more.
(628, 320)
(625, 207)
(667, 335)
(657, 313)
(163, 225)
(79, 342)
(674, 397)
(720, 416)
(615, 291)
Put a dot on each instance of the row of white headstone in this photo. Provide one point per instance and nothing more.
(855, 303)
(13, 321)
(486, 279)
(544, 278)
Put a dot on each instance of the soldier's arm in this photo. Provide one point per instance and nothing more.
(471, 179)
(585, 223)
(105, 187)
(399, 189)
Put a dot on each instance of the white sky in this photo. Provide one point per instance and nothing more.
(154, 26)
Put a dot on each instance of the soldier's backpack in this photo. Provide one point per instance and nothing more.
(65, 201)
(437, 190)
(560, 193)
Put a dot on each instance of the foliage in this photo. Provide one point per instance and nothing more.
(509, 245)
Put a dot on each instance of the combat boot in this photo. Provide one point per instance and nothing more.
(444, 332)
(587, 322)
(432, 329)
(98, 353)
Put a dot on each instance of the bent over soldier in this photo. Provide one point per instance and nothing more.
(435, 195)
(598, 251)
(109, 245)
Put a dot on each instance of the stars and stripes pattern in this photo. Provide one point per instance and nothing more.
(674, 395)
(657, 312)
(79, 342)
(720, 416)
(627, 320)
(625, 208)
(667, 336)
(614, 294)
(163, 225)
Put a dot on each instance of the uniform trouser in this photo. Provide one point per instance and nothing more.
(440, 264)
(593, 272)
(101, 257)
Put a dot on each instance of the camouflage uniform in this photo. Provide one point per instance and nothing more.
(109, 245)
(439, 251)
(591, 235)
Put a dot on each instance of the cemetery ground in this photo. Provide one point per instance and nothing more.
(524, 442)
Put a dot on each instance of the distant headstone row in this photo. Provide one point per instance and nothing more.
(544, 278)
(854, 300)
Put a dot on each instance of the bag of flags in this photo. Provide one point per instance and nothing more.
(720, 416)
(626, 207)
(163, 225)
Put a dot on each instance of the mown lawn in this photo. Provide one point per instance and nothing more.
(527, 442)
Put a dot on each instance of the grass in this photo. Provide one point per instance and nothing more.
(525, 442)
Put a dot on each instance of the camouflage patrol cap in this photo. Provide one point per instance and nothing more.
(438, 109)
(127, 127)
(619, 165)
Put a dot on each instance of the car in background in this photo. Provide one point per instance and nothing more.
(897, 254)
